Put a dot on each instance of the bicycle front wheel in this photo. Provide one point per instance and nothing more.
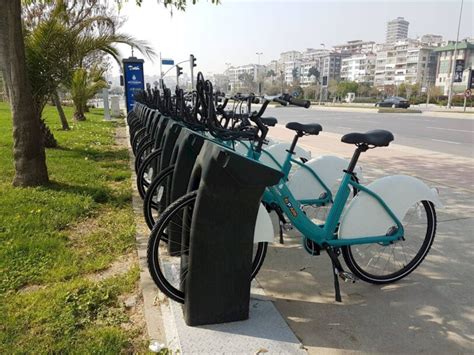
(166, 268)
(157, 196)
(380, 264)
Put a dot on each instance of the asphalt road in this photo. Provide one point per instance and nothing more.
(446, 135)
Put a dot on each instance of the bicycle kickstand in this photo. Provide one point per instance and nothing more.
(335, 272)
(338, 271)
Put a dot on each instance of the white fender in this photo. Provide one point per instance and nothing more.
(263, 227)
(366, 217)
(329, 168)
(279, 152)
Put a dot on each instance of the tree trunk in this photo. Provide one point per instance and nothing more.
(79, 115)
(28, 150)
(62, 116)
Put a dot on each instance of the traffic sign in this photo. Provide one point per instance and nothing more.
(468, 93)
(167, 61)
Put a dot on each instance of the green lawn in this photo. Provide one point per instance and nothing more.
(54, 240)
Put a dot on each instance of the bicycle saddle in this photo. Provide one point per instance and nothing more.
(377, 138)
(269, 121)
(310, 128)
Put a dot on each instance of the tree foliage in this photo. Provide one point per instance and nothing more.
(69, 38)
(313, 71)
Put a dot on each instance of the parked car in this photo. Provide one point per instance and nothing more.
(394, 102)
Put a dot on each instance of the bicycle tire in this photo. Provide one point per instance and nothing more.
(142, 183)
(136, 138)
(157, 235)
(355, 266)
(149, 205)
(142, 153)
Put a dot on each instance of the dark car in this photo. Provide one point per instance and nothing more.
(394, 101)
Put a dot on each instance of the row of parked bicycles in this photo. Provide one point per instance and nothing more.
(383, 230)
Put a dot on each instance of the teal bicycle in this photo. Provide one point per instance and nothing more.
(383, 233)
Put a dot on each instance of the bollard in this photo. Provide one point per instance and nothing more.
(218, 261)
(105, 98)
(115, 106)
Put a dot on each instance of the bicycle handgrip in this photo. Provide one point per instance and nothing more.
(280, 101)
(299, 102)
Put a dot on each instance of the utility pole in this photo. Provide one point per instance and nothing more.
(321, 75)
(453, 66)
(192, 63)
(256, 73)
(161, 73)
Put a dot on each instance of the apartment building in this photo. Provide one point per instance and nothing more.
(432, 40)
(465, 61)
(289, 56)
(235, 74)
(359, 68)
(355, 47)
(326, 61)
(407, 61)
(397, 30)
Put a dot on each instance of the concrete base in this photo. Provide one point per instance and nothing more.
(265, 330)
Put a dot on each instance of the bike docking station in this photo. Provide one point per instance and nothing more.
(218, 256)
(207, 196)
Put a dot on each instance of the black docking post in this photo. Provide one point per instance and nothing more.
(217, 283)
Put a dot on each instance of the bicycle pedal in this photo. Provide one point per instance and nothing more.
(287, 227)
(347, 276)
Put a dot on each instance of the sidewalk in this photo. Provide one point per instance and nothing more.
(429, 311)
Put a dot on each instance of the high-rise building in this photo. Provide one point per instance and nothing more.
(397, 30)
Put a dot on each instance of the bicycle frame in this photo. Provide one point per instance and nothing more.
(326, 234)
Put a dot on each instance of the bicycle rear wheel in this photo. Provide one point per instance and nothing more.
(168, 271)
(379, 264)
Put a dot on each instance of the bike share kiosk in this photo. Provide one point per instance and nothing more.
(217, 283)
(133, 79)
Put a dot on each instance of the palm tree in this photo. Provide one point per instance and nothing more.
(84, 85)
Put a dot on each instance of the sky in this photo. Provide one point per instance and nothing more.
(234, 31)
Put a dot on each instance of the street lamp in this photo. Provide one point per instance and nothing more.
(453, 67)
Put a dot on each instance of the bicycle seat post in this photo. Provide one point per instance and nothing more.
(295, 141)
(355, 157)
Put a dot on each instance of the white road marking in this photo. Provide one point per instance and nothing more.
(440, 140)
(451, 129)
(343, 127)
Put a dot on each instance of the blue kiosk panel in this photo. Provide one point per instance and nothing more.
(134, 79)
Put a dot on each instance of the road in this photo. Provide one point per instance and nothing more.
(446, 135)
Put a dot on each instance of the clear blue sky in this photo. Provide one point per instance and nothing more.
(234, 31)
